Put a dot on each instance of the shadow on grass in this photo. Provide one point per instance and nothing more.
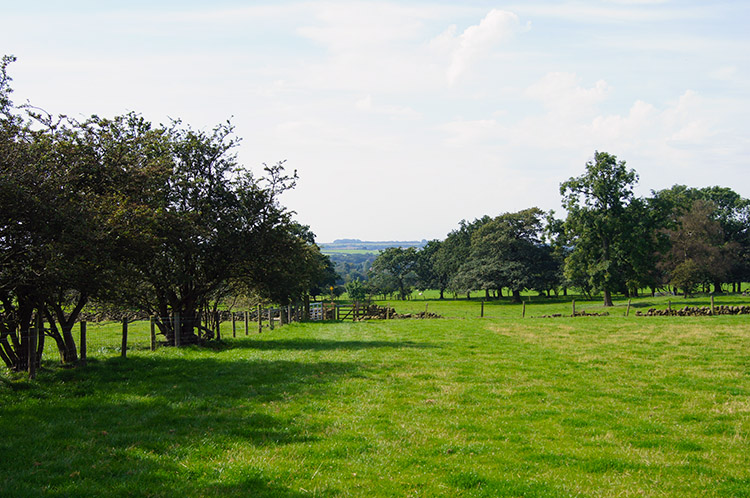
(158, 425)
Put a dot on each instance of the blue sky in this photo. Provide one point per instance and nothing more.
(403, 118)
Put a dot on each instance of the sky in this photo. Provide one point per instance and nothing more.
(403, 118)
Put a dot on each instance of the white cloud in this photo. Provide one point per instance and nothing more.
(463, 133)
(626, 12)
(447, 105)
(562, 93)
(476, 42)
(725, 73)
(366, 105)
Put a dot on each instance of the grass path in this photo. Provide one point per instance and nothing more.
(461, 407)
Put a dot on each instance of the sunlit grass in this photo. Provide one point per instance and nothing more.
(608, 406)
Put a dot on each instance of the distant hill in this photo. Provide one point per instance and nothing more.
(352, 258)
(340, 245)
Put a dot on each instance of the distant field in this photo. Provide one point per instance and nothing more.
(494, 407)
(350, 251)
(537, 306)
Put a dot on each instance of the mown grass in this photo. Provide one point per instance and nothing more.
(608, 406)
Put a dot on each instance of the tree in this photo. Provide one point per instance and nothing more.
(357, 290)
(454, 251)
(217, 229)
(17, 291)
(697, 253)
(599, 223)
(428, 272)
(67, 222)
(508, 251)
(731, 211)
(396, 265)
(325, 277)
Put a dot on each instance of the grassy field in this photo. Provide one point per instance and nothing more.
(605, 406)
(350, 251)
(537, 306)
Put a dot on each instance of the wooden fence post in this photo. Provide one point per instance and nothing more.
(289, 313)
(124, 348)
(270, 317)
(627, 312)
(218, 325)
(177, 329)
(152, 323)
(234, 326)
(260, 319)
(33, 334)
(387, 311)
(523, 310)
(481, 311)
(712, 304)
(83, 343)
(247, 323)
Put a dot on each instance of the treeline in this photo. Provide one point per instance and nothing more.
(611, 242)
(120, 211)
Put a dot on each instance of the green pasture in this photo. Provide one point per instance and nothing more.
(493, 407)
(350, 251)
(537, 306)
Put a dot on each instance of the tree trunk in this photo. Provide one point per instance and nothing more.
(516, 296)
(608, 298)
(441, 293)
(717, 288)
(63, 335)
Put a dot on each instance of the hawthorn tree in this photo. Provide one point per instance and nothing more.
(18, 235)
(217, 229)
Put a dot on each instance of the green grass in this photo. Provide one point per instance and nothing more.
(586, 407)
(537, 306)
(104, 339)
(350, 251)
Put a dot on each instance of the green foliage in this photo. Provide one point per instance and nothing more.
(507, 251)
(356, 290)
(394, 269)
(697, 253)
(730, 211)
(603, 225)
(158, 218)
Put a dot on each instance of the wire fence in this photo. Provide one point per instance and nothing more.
(110, 338)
